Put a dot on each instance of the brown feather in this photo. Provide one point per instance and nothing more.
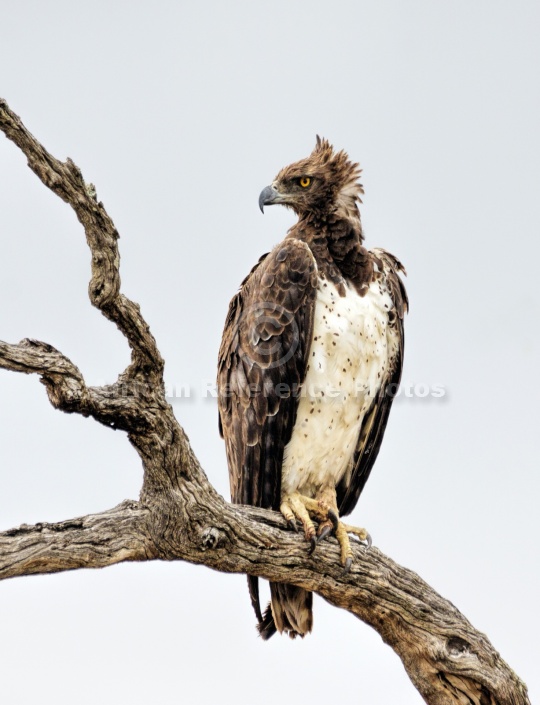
(268, 331)
(267, 338)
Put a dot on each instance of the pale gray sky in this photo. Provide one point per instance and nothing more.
(180, 113)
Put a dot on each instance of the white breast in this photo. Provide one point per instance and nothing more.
(348, 358)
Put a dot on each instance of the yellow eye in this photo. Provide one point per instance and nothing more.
(305, 181)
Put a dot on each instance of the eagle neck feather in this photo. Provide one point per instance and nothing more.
(336, 244)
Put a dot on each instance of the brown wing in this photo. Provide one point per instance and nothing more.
(262, 363)
(374, 424)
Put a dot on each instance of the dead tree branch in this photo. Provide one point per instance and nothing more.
(88, 542)
(179, 515)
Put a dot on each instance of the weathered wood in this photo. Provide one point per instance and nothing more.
(95, 541)
(181, 517)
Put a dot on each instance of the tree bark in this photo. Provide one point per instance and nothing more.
(179, 515)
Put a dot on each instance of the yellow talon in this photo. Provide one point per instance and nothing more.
(324, 509)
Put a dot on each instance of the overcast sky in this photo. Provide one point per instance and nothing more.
(180, 113)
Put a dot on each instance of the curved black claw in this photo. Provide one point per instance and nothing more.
(334, 518)
(326, 531)
(367, 541)
(291, 523)
(313, 544)
(348, 564)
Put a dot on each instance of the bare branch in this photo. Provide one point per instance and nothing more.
(445, 657)
(116, 406)
(87, 542)
(181, 517)
(65, 179)
(34, 356)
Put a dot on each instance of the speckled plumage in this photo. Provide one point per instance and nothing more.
(312, 345)
(351, 350)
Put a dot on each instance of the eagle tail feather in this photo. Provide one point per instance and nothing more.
(267, 626)
(291, 611)
(253, 587)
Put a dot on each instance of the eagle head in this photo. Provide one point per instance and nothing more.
(324, 183)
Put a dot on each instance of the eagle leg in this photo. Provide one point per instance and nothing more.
(324, 530)
(328, 524)
(362, 534)
(296, 506)
(327, 499)
(324, 509)
(342, 535)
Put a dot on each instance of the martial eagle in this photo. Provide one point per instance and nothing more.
(309, 363)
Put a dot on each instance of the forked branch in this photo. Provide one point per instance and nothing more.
(181, 517)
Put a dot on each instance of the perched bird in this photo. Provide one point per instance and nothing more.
(309, 363)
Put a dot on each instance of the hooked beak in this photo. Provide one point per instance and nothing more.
(269, 196)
